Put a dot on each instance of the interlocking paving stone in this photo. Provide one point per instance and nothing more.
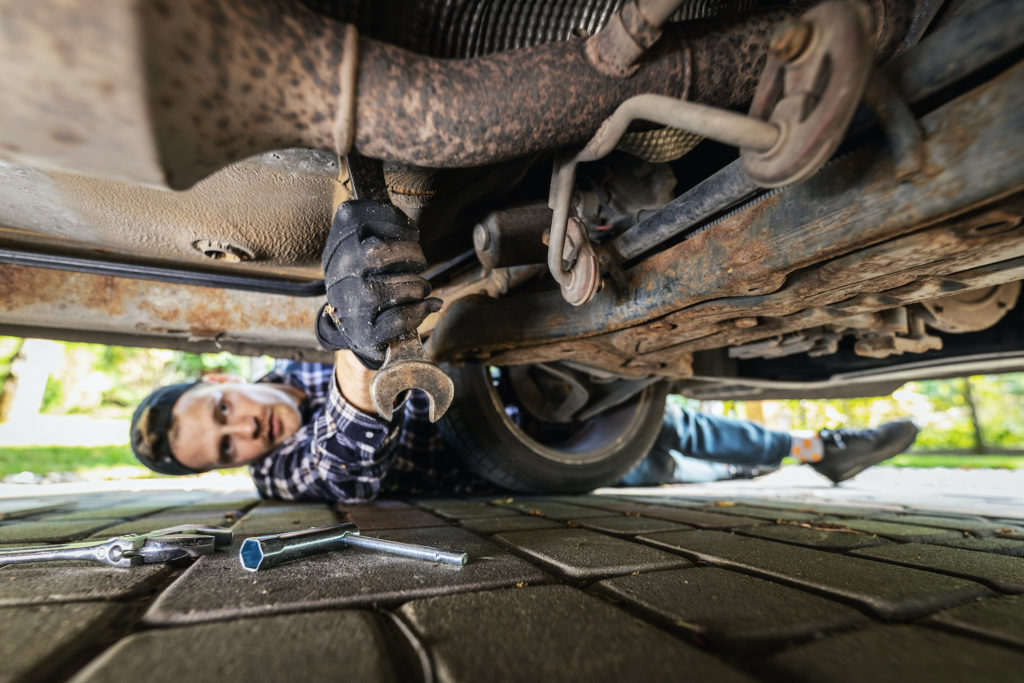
(144, 525)
(277, 648)
(701, 518)
(277, 518)
(562, 512)
(672, 501)
(628, 525)
(815, 538)
(897, 654)
(225, 505)
(117, 512)
(731, 609)
(1002, 573)
(957, 523)
(854, 510)
(464, 509)
(609, 504)
(497, 525)
(584, 499)
(1000, 546)
(582, 554)
(216, 586)
(50, 532)
(887, 590)
(896, 531)
(373, 518)
(1000, 619)
(40, 638)
(765, 513)
(32, 509)
(74, 581)
(13, 508)
(1007, 521)
(521, 635)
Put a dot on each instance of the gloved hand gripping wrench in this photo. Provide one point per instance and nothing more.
(406, 366)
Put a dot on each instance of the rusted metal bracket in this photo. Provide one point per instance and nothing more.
(905, 137)
(808, 92)
(812, 82)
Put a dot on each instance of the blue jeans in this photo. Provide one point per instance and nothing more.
(693, 447)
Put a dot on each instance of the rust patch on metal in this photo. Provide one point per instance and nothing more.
(37, 297)
(34, 286)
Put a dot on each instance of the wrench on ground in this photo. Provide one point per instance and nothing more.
(130, 550)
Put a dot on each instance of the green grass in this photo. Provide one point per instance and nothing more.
(45, 459)
(1004, 462)
(78, 459)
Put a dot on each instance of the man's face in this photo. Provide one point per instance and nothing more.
(227, 423)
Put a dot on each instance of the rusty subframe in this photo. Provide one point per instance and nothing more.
(657, 310)
(40, 302)
(166, 92)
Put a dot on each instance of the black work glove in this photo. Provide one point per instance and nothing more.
(371, 269)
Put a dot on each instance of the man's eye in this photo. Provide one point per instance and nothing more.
(223, 408)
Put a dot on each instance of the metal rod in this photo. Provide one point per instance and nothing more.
(178, 276)
(263, 552)
(422, 552)
(738, 130)
(718, 192)
(711, 122)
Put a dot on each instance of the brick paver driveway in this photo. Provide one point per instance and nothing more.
(673, 584)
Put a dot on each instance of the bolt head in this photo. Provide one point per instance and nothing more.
(790, 39)
(481, 238)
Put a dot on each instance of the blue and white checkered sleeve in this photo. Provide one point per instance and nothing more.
(342, 454)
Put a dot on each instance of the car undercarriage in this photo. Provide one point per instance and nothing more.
(733, 199)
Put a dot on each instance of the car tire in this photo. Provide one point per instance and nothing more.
(578, 457)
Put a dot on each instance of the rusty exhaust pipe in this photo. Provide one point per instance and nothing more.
(165, 93)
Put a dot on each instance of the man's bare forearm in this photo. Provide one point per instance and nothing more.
(354, 381)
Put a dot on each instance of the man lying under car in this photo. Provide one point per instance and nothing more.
(309, 431)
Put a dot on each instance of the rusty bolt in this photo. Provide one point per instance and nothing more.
(745, 323)
(222, 251)
(790, 39)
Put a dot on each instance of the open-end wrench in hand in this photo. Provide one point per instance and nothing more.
(406, 367)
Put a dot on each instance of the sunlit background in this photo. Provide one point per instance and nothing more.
(65, 409)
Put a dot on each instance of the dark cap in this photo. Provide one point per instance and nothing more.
(150, 423)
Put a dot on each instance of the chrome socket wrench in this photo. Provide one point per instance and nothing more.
(263, 552)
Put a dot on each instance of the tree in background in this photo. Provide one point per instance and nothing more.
(109, 381)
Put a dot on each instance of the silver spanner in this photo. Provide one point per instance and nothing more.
(406, 367)
(263, 552)
(129, 550)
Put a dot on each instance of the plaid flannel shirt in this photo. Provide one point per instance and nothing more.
(341, 454)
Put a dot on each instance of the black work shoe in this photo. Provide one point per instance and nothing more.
(848, 452)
